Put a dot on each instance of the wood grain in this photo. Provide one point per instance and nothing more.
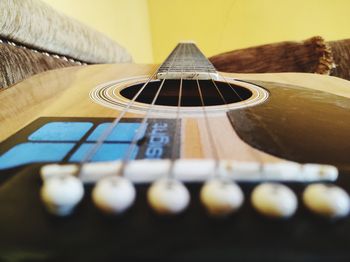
(65, 93)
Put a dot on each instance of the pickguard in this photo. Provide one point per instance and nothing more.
(297, 124)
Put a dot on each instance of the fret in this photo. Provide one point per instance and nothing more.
(186, 61)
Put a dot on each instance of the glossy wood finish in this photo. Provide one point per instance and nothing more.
(299, 124)
(66, 93)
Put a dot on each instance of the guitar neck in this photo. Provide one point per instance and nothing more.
(186, 61)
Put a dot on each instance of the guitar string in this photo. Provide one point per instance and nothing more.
(256, 153)
(143, 124)
(257, 156)
(171, 168)
(282, 148)
(212, 145)
(108, 131)
(252, 152)
(171, 172)
(88, 156)
(273, 137)
(92, 151)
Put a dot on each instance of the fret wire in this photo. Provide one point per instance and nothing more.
(199, 63)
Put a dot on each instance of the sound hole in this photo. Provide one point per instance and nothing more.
(169, 93)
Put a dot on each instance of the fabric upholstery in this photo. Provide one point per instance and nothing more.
(311, 56)
(36, 24)
(341, 55)
(18, 63)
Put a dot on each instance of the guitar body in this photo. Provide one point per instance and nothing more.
(305, 118)
(308, 108)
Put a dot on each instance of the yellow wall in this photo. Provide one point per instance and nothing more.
(151, 28)
(222, 25)
(125, 21)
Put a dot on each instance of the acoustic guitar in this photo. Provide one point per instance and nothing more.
(174, 162)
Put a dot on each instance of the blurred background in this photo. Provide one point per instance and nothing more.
(150, 29)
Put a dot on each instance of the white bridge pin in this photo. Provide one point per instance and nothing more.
(327, 200)
(274, 200)
(168, 196)
(221, 197)
(113, 194)
(61, 194)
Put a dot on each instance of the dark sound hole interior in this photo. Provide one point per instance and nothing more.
(169, 94)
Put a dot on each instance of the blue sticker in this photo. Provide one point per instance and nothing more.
(61, 131)
(106, 152)
(62, 140)
(27, 153)
(123, 132)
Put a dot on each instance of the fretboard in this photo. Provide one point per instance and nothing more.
(186, 61)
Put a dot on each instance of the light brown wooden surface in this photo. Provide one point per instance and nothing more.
(65, 93)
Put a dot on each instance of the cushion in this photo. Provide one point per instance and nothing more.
(341, 55)
(34, 38)
(310, 56)
(18, 63)
(34, 23)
